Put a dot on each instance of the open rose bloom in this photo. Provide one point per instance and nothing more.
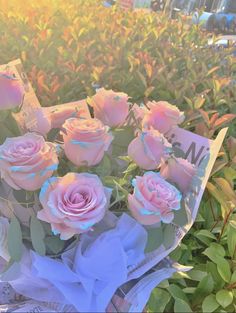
(89, 217)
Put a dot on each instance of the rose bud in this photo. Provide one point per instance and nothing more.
(179, 171)
(162, 116)
(148, 149)
(110, 107)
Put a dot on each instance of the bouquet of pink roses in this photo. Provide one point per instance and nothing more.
(91, 199)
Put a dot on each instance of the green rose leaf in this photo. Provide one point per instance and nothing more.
(54, 244)
(15, 245)
(155, 239)
(37, 235)
(168, 235)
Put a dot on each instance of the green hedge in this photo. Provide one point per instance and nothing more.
(69, 47)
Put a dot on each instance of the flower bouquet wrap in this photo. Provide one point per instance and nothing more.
(94, 195)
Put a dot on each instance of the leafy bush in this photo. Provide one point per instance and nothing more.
(70, 47)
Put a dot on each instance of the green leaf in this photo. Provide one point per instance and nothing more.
(205, 233)
(132, 167)
(181, 306)
(224, 298)
(199, 101)
(231, 238)
(123, 136)
(233, 278)
(205, 236)
(155, 239)
(15, 245)
(112, 181)
(54, 244)
(212, 269)
(197, 275)
(37, 235)
(180, 217)
(177, 292)
(168, 235)
(210, 304)
(104, 168)
(224, 269)
(4, 133)
(158, 301)
(215, 252)
(205, 287)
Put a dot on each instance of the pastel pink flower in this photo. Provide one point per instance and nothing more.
(110, 107)
(86, 141)
(27, 161)
(60, 113)
(179, 171)
(148, 149)
(74, 203)
(153, 199)
(54, 117)
(162, 116)
(11, 91)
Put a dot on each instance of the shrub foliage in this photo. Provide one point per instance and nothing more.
(71, 47)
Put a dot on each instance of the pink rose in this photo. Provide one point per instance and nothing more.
(74, 203)
(110, 107)
(27, 161)
(60, 113)
(54, 117)
(148, 149)
(86, 141)
(11, 91)
(153, 199)
(179, 171)
(162, 116)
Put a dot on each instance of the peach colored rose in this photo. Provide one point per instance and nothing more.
(27, 161)
(110, 107)
(11, 91)
(86, 141)
(179, 171)
(74, 203)
(162, 116)
(148, 149)
(153, 199)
